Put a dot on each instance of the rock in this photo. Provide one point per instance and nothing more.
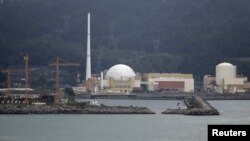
(72, 109)
(195, 106)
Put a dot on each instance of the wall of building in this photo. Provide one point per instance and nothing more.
(137, 83)
(234, 81)
(91, 84)
(189, 85)
(209, 83)
(168, 75)
(153, 83)
(171, 84)
(118, 86)
(234, 85)
(105, 83)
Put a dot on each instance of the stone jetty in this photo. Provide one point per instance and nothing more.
(195, 106)
(71, 109)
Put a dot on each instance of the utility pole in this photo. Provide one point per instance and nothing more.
(58, 64)
(8, 81)
(26, 71)
(8, 72)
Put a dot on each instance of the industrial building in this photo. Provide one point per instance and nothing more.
(119, 79)
(169, 82)
(226, 80)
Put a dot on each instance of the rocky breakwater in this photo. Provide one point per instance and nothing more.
(117, 110)
(195, 106)
(72, 109)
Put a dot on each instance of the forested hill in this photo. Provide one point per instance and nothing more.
(189, 36)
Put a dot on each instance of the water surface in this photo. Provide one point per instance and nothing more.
(122, 127)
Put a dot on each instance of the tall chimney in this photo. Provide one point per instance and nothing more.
(88, 63)
(101, 80)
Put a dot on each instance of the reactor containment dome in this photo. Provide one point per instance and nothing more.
(120, 72)
(224, 71)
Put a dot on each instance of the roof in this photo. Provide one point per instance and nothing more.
(120, 72)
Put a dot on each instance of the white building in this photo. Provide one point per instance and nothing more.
(226, 80)
(169, 82)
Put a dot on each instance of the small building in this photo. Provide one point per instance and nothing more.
(91, 84)
(209, 83)
(169, 82)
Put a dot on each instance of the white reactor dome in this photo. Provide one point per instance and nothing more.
(224, 70)
(120, 72)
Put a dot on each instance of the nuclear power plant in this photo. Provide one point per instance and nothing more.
(122, 79)
(226, 80)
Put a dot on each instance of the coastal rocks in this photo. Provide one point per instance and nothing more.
(117, 110)
(72, 109)
(195, 106)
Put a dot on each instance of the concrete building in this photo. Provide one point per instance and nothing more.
(209, 83)
(226, 80)
(120, 79)
(169, 82)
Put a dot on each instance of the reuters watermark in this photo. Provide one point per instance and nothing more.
(219, 132)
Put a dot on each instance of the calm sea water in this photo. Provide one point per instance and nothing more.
(122, 127)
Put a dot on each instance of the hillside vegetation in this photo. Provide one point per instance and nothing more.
(188, 36)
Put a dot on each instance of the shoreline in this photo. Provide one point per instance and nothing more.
(170, 96)
(71, 109)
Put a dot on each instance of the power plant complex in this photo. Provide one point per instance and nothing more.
(122, 79)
